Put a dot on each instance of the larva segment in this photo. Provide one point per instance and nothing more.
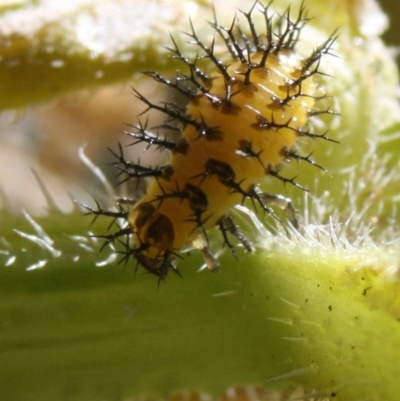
(242, 120)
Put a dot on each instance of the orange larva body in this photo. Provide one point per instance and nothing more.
(241, 121)
(171, 226)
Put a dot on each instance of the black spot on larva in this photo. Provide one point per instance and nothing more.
(263, 124)
(245, 149)
(230, 108)
(161, 232)
(181, 146)
(211, 134)
(222, 170)
(276, 104)
(283, 152)
(248, 90)
(197, 198)
(167, 172)
(145, 212)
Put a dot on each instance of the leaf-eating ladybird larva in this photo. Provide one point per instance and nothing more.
(241, 121)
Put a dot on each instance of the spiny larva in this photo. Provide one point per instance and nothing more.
(244, 115)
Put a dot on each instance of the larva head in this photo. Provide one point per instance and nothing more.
(154, 235)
